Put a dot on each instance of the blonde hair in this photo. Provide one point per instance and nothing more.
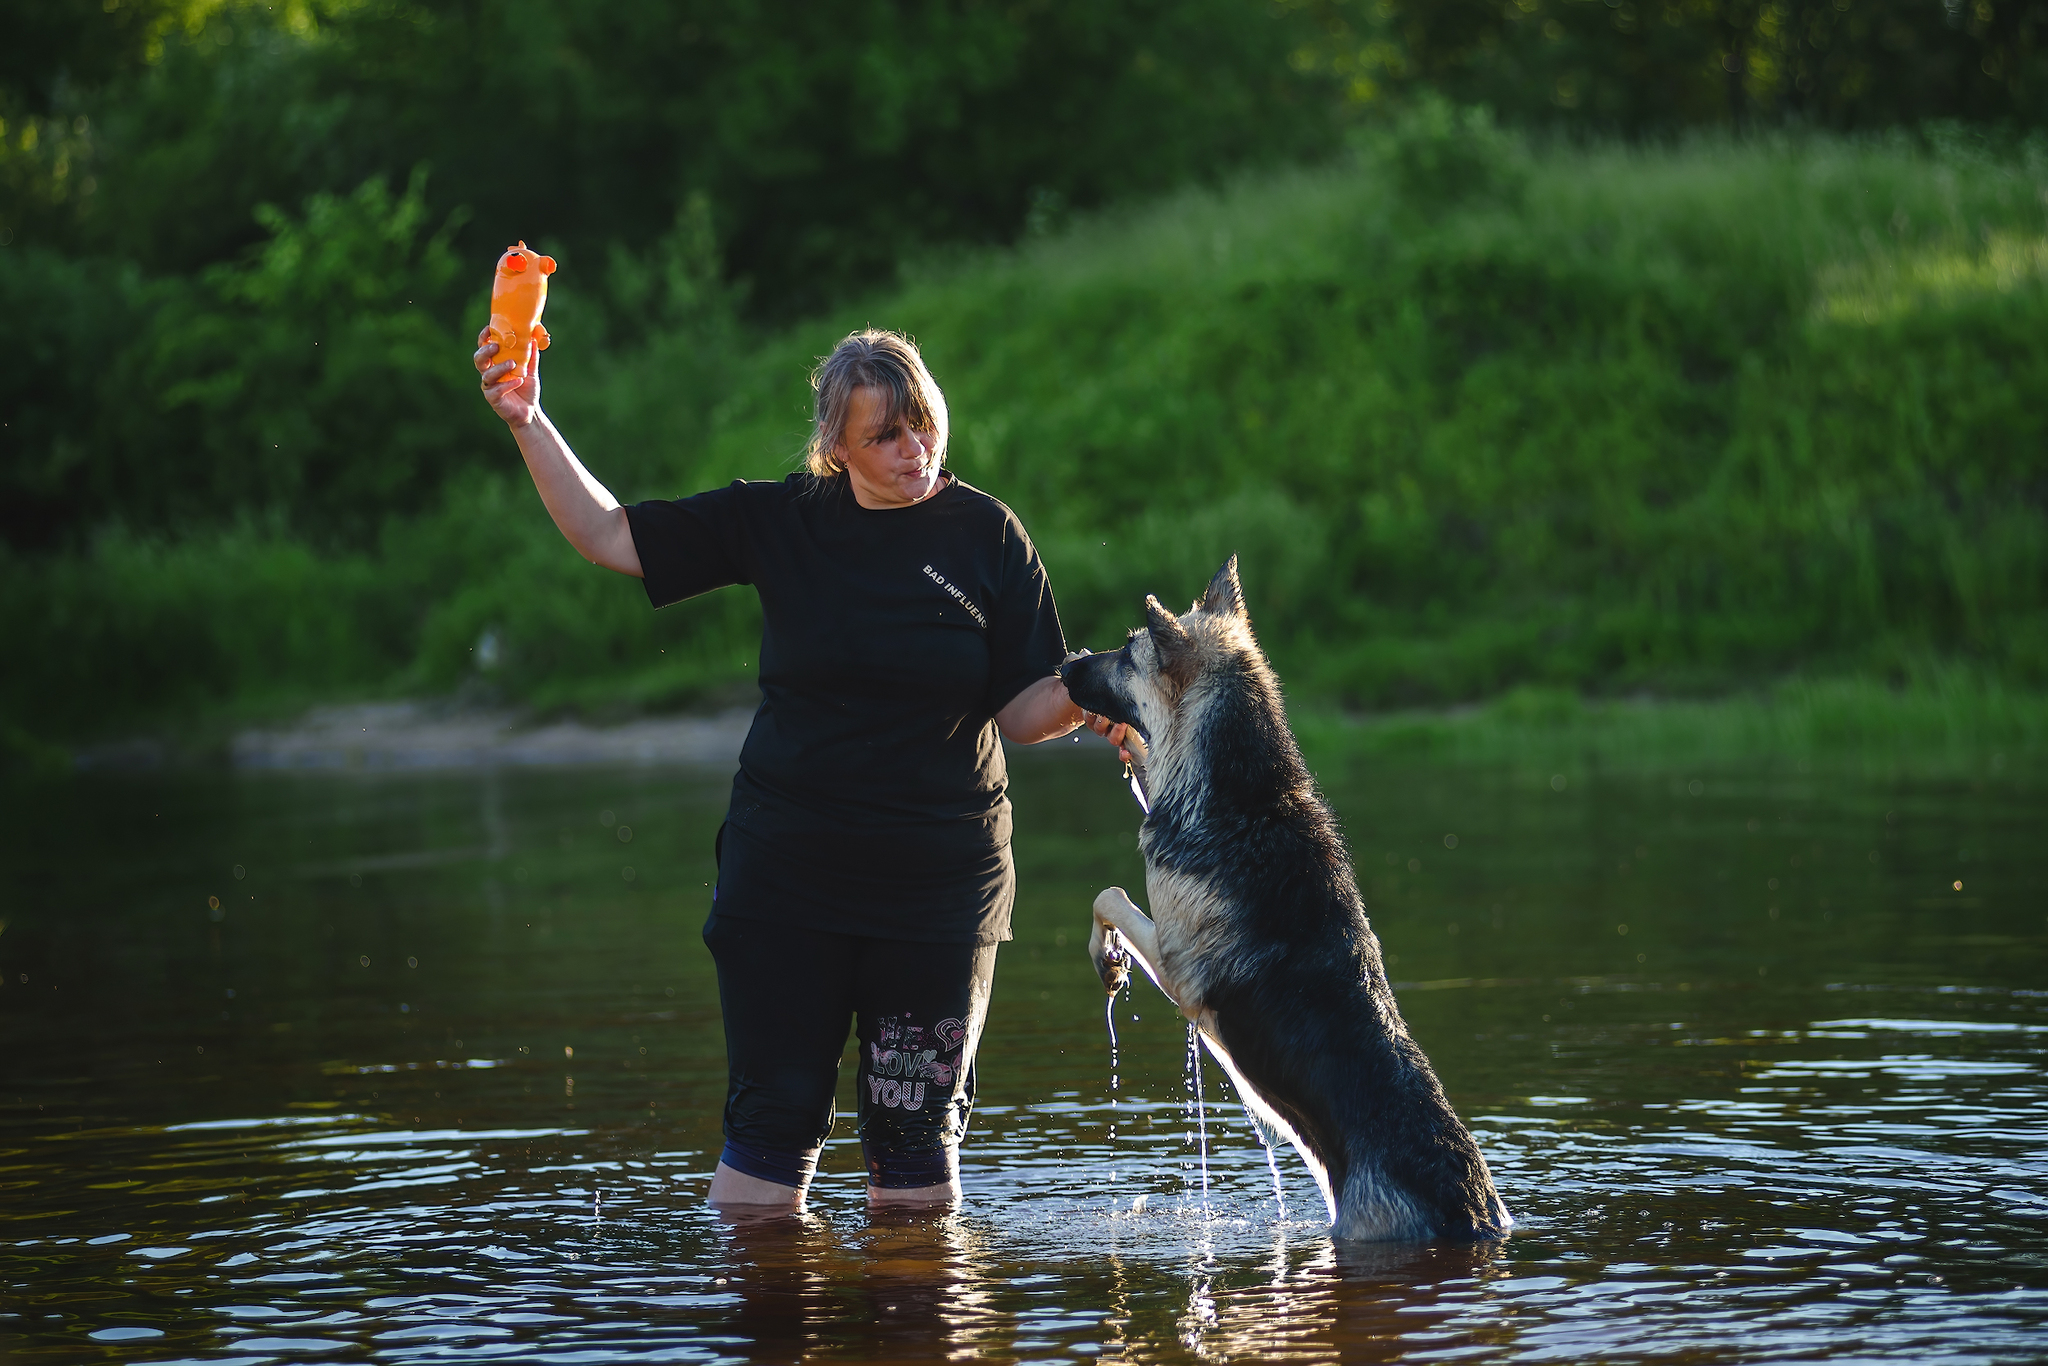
(872, 359)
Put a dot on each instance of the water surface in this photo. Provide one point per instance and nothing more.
(428, 1067)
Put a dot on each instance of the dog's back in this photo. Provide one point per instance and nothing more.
(1262, 937)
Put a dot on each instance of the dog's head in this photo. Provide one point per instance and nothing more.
(1146, 683)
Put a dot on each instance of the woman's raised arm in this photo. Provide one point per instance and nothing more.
(583, 509)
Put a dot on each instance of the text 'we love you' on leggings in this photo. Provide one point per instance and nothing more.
(789, 996)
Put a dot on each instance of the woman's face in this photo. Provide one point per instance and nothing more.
(890, 465)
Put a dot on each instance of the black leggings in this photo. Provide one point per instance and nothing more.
(788, 996)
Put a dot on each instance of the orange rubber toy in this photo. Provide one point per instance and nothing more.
(518, 294)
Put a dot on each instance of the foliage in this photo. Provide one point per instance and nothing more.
(320, 379)
(64, 392)
(695, 157)
(1638, 65)
(744, 165)
(830, 139)
(321, 374)
(1630, 419)
(58, 43)
(833, 141)
(139, 627)
(1660, 420)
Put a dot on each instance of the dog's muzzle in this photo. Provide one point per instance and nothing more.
(1081, 673)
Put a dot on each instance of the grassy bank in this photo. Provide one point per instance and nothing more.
(1477, 416)
(1947, 726)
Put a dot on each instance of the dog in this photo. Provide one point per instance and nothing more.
(1258, 933)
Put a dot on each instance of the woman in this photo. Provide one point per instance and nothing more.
(864, 867)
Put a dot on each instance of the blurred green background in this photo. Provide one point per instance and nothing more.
(1527, 352)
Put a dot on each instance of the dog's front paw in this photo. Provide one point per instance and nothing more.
(1112, 961)
(1112, 902)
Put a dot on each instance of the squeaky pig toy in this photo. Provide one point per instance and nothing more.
(518, 293)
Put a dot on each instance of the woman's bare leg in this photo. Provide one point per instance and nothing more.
(732, 1189)
(945, 1193)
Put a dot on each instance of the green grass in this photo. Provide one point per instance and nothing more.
(1482, 420)
(1948, 725)
(1604, 419)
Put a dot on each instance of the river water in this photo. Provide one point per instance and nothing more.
(428, 1068)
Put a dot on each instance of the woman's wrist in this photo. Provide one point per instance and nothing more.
(1041, 712)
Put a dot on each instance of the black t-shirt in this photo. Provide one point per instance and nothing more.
(871, 792)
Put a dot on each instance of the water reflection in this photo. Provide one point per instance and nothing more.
(1726, 1134)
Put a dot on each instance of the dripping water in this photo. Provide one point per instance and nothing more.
(1269, 1139)
(1109, 1018)
(1201, 1119)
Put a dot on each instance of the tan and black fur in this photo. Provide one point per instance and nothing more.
(1259, 935)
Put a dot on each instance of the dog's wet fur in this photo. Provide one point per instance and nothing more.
(1259, 935)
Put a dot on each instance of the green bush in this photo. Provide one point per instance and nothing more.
(320, 383)
(323, 377)
(138, 629)
(63, 393)
(564, 633)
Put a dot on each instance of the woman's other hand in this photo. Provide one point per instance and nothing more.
(1112, 731)
(511, 398)
(1043, 711)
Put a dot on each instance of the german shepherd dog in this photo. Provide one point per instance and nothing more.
(1259, 935)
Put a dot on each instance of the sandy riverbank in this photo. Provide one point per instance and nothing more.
(420, 736)
(411, 735)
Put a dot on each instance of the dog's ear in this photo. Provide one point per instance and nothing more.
(1225, 597)
(1169, 638)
